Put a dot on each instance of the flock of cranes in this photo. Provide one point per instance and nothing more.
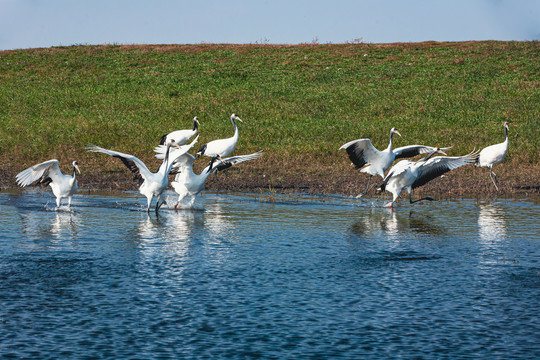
(173, 149)
(408, 175)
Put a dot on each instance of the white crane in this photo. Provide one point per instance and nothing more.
(151, 184)
(409, 175)
(181, 137)
(48, 173)
(493, 155)
(188, 184)
(361, 153)
(221, 147)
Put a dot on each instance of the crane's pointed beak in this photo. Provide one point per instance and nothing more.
(77, 168)
(397, 132)
(442, 152)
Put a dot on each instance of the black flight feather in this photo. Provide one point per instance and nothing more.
(131, 166)
(407, 153)
(433, 173)
(356, 155)
(163, 139)
(202, 149)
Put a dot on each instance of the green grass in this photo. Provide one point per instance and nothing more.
(299, 103)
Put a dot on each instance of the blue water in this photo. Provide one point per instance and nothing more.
(253, 276)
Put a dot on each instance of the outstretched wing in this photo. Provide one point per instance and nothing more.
(135, 165)
(439, 165)
(182, 162)
(361, 152)
(46, 172)
(413, 150)
(231, 161)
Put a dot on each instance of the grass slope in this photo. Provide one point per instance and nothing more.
(299, 104)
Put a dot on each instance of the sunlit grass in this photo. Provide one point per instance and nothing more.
(297, 102)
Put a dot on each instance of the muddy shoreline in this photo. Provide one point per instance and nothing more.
(468, 182)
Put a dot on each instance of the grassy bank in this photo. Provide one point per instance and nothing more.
(299, 104)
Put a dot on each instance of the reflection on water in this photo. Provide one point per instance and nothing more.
(150, 228)
(64, 224)
(51, 226)
(217, 222)
(491, 222)
(394, 223)
(243, 279)
(184, 224)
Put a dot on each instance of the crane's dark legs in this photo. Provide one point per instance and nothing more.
(158, 205)
(424, 198)
(367, 188)
(494, 179)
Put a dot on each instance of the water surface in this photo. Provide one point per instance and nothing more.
(243, 277)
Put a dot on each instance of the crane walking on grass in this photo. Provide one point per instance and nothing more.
(48, 173)
(409, 175)
(151, 184)
(493, 155)
(361, 153)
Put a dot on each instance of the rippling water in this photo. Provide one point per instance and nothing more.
(298, 277)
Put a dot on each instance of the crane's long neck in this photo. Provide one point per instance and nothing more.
(429, 156)
(195, 126)
(506, 133)
(165, 166)
(390, 141)
(235, 128)
(415, 166)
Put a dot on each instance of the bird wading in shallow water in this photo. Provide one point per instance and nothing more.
(493, 155)
(151, 184)
(409, 175)
(221, 147)
(375, 162)
(48, 173)
(188, 184)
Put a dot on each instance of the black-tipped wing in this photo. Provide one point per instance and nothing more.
(130, 164)
(43, 173)
(413, 150)
(361, 152)
(135, 165)
(231, 161)
(439, 165)
(44, 180)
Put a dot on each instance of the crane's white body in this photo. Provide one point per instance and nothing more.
(221, 147)
(188, 184)
(153, 184)
(181, 137)
(408, 175)
(63, 186)
(493, 155)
